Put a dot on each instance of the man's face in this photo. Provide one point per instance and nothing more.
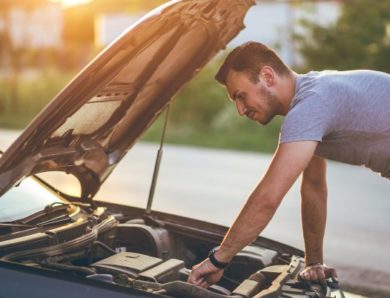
(254, 100)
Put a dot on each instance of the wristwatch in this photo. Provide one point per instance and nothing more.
(214, 261)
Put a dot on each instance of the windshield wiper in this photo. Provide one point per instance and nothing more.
(14, 227)
(36, 220)
(30, 222)
(11, 227)
(47, 211)
(53, 208)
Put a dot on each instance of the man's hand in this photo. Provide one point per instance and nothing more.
(205, 274)
(318, 273)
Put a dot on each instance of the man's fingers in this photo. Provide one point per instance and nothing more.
(204, 274)
(199, 282)
(319, 273)
(194, 277)
(331, 272)
(305, 275)
(322, 278)
(313, 275)
(204, 284)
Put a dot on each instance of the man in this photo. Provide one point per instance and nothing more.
(343, 116)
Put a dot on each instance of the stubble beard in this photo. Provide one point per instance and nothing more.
(273, 106)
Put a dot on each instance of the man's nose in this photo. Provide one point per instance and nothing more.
(240, 108)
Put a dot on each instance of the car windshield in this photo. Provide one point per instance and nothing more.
(24, 200)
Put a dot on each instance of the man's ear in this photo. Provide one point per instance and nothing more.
(267, 75)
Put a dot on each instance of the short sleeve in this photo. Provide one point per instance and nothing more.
(308, 120)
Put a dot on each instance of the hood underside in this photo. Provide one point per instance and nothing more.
(91, 124)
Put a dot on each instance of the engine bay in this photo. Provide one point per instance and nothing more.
(155, 255)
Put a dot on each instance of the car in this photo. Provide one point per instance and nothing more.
(54, 243)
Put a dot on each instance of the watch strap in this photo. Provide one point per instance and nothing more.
(214, 261)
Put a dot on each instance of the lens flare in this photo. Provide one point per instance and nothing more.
(68, 3)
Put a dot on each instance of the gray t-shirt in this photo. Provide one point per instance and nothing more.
(348, 112)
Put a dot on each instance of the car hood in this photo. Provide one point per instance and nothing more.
(91, 124)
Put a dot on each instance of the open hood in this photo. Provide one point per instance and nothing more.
(91, 124)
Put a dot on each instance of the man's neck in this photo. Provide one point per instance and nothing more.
(286, 91)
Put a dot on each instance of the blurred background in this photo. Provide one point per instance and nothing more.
(44, 43)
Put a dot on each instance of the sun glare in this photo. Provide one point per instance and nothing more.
(68, 3)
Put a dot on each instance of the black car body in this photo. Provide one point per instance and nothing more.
(54, 244)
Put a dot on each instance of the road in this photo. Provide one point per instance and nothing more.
(212, 185)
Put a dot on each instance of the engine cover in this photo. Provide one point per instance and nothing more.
(141, 266)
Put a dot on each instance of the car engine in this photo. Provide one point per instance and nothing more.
(154, 255)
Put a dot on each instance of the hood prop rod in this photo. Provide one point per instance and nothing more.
(157, 165)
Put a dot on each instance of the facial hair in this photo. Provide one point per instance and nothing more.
(273, 105)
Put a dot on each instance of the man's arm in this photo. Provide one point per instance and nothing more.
(314, 197)
(314, 206)
(288, 163)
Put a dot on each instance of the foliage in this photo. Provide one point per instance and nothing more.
(359, 39)
(200, 101)
(201, 114)
(34, 91)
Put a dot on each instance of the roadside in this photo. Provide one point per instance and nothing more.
(363, 281)
(356, 238)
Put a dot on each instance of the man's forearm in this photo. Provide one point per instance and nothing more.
(253, 218)
(314, 203)
(289, 161)
(314, 197)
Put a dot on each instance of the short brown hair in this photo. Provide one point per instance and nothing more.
(250, 58)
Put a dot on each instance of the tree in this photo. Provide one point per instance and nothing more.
(9, 51)
(360, 38)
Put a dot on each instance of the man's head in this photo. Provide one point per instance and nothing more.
(253, 75)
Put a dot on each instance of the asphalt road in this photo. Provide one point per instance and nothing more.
(212, 185)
